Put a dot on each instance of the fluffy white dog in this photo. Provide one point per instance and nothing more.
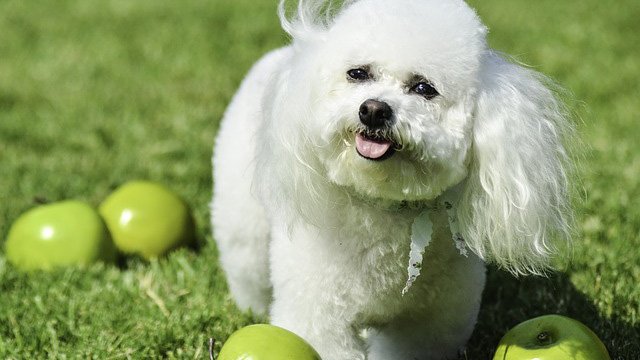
(363, 174)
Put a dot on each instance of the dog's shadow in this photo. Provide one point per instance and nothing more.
(508, 301)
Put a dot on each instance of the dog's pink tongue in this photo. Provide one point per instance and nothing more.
(371, 149)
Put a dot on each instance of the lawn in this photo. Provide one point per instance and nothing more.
(95, 93)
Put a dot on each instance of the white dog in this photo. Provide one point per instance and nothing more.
(386, 133)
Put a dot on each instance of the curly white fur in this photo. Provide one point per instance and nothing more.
(319, 236)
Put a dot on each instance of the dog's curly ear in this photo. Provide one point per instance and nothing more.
(515, 202)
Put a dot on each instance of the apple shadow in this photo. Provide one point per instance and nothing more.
(128, 261)
(507, 301)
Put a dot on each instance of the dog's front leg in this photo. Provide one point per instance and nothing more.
(312, 295)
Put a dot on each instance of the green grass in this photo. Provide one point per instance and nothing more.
(96, 93)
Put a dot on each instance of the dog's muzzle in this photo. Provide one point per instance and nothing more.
(376, 116)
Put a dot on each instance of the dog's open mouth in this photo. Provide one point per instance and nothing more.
(373, 147)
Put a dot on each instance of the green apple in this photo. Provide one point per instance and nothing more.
(58, 234)
(551, 337)
(147, 219)
(266, 342)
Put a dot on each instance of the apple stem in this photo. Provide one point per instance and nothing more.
(212, 342)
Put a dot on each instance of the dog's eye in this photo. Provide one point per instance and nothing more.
(425, 89)
(358, 74)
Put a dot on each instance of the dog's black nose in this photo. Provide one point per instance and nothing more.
(374, 113)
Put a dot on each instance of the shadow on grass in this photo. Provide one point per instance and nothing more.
(129, 261)
(508, 301)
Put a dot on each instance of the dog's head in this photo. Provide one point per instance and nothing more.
(403, 100)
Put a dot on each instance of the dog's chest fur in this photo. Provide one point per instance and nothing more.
(365, 252)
